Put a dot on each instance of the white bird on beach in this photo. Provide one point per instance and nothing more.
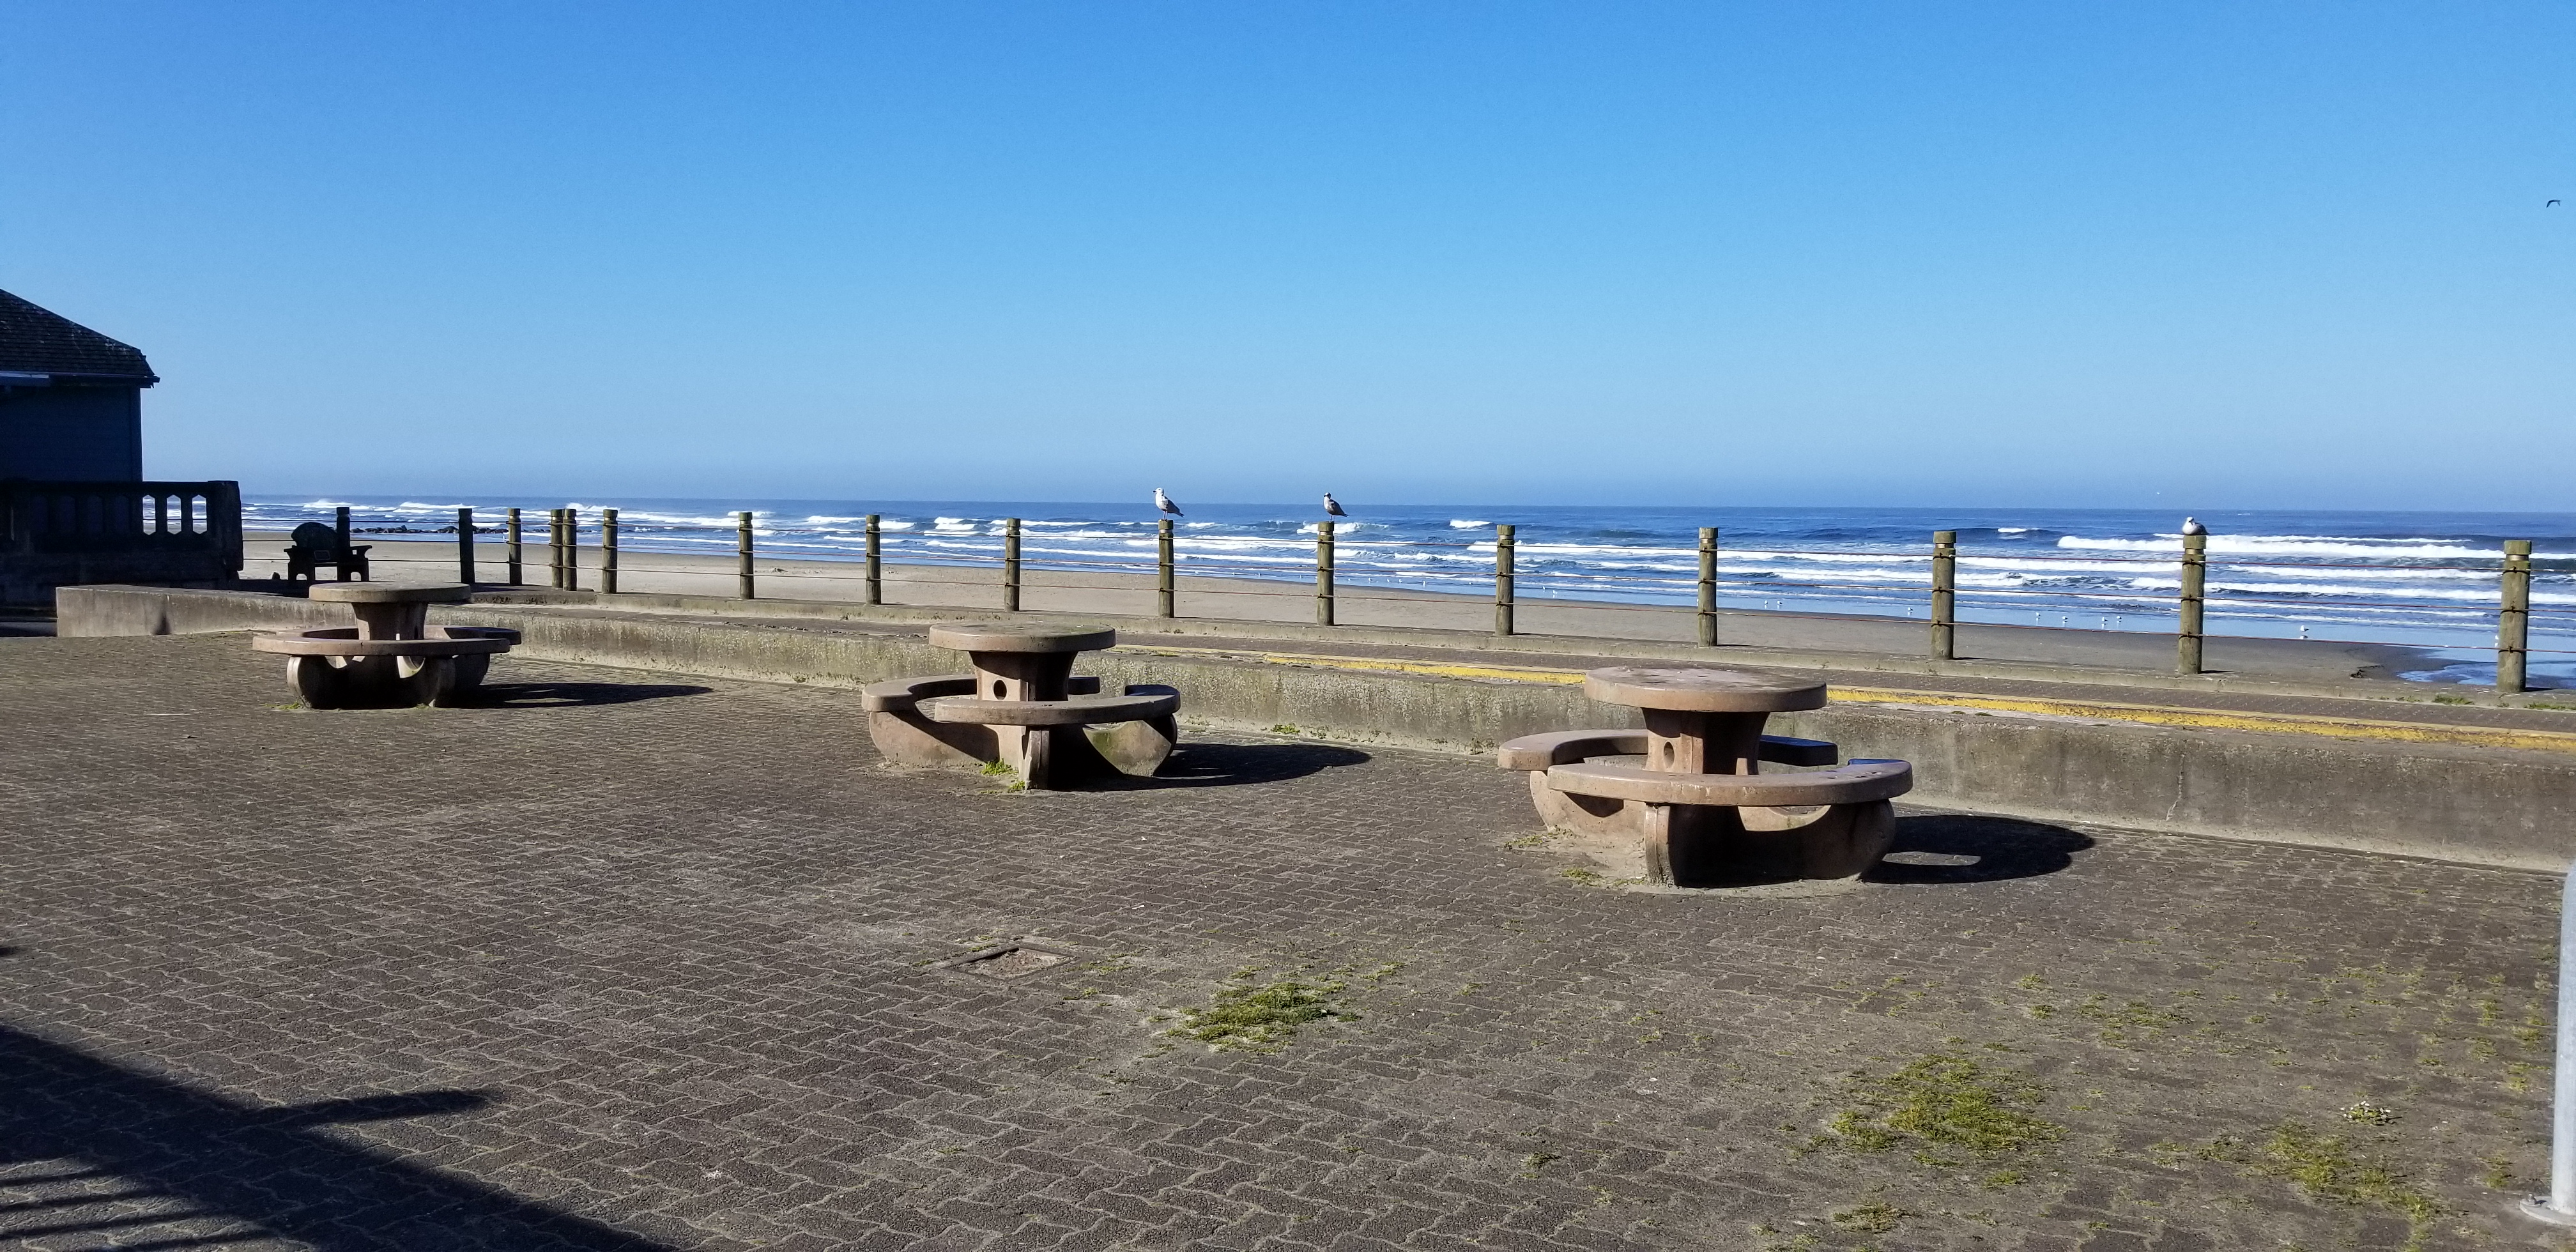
(1333, 506)
(1164, 503)
(2192, 526)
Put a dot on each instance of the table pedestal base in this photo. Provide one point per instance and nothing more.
(1695, 845)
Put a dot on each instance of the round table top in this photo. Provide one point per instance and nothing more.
(1021, 637)
(1703, 690)
(391, 593)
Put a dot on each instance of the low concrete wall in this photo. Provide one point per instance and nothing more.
(122, 610)
(2474, 805)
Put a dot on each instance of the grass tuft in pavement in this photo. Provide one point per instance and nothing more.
(1249, 1017)
(2326, 1167)
(1943, 1100)
(1870, 1219)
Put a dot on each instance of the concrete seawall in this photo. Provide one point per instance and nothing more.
(2472, 804)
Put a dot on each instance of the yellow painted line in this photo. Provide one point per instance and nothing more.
(2221, 719)
(2095, 710)
(1511, 673)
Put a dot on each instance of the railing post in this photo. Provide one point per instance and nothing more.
(1324, 574)
(876, 564)
(2513, 618)
(608, 551)
(465, 546)
(572, 549)
(1503, 578)
(1708, 586)
(2195, 577)
(1945, 594)
(1011, 565)
(742, 589)
(511, 549)
(339, 524)
(1163, 569)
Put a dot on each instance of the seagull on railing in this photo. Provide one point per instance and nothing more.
(2192, 526)
(1333, 506)
(1164, 503)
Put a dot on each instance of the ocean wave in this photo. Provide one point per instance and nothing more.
(1467, 524)
(632, 517)
(2295, 545)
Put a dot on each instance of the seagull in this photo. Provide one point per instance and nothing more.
(1333, 506)
(2551, 205)
(1164, 503)
(2192, 526)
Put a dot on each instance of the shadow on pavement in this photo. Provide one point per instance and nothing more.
(1241, 764)
(196, 1169)
(1959, 847)
(573, 695)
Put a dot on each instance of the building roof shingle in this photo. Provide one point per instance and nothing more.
(37, 341)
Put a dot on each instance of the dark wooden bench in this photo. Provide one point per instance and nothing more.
(314, 545)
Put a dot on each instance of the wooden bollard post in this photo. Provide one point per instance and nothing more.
(2195, 577)
(1324, 574)
(742, 556)
(554, 549)
(876, 563)
(339, 526)
(572, 550)
(1945, 594)
(1011, 565)
(512, 551)
(1708, 586)
(1163, 569)
(1503, 579)
(608, 551)
(465, 547)
(2513, 618)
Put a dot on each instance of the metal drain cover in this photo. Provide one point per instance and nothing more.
(1017, 960)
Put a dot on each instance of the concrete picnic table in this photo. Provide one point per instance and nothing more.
(1682, 802)
(1022, 706)
(393, 657)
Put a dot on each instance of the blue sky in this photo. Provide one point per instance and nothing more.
(2203, 255)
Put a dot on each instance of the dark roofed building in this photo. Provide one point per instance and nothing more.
(73, 504)
(71, 399)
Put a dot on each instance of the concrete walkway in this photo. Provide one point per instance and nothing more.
(624, 961)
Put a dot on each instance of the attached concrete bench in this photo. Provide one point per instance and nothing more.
(1565, 747)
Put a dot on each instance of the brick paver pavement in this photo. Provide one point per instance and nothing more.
(628, 961)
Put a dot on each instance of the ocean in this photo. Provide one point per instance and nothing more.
(2427, 580)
